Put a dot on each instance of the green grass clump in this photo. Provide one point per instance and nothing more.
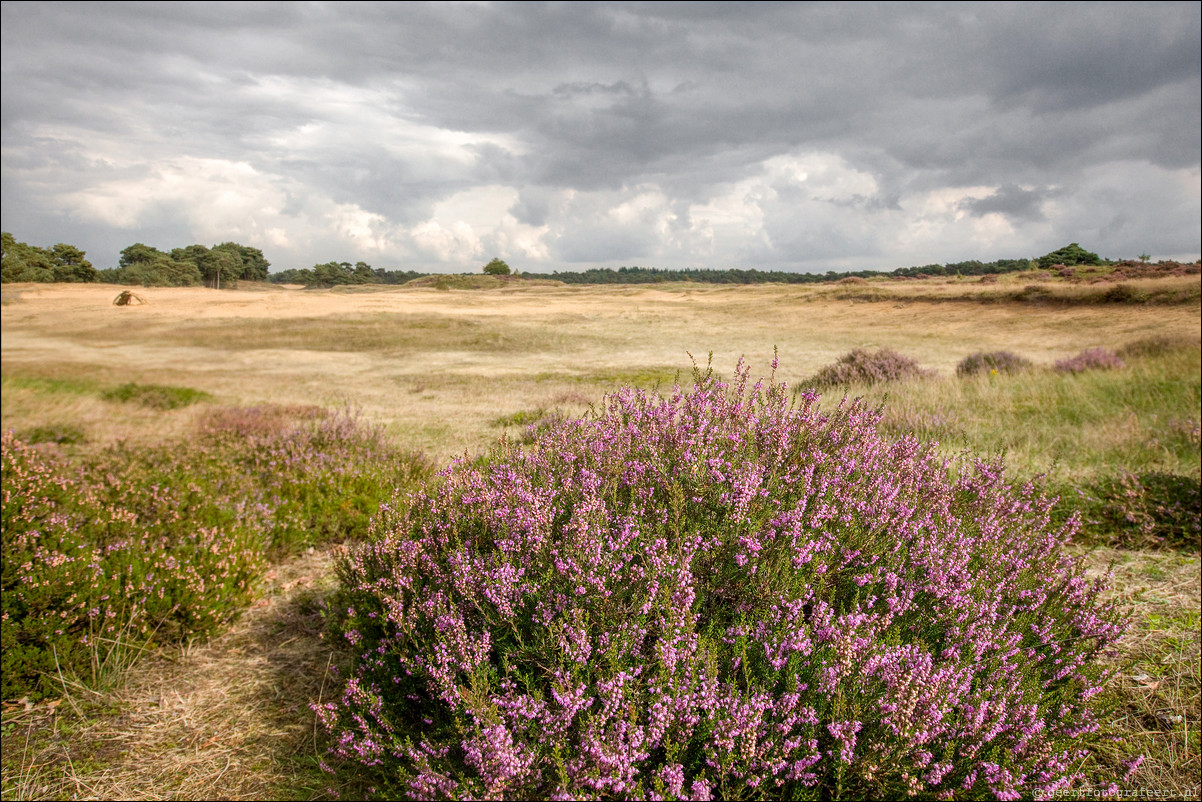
(1120, 447)
(51, 386)
(61, 433)
(1075, 428)
(523, 417)
(156, 396)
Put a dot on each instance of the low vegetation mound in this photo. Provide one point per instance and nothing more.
(992, 362)
(161, 545)
(490, 281)
(719, 594)
(1089, 359)
(1150, 510)
(860, 366)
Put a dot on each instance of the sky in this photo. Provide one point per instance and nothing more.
(563, 136)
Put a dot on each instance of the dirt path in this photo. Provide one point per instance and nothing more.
(229, 719)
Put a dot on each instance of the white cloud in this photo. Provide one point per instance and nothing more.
(215, 197)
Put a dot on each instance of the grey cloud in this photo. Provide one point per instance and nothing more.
(533, 206)
(1012, 201)
(599, 97)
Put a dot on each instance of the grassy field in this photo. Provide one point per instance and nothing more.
(448, 371)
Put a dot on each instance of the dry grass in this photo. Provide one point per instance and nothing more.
(438, 366)
(227, 719)
(1157, 692)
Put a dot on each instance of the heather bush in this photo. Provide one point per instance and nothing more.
(89, 566)
(1089, 359)
(719, 594)
(141, 545)
(320, 474)
(867, 367)
(1157, 345)
(992, 362)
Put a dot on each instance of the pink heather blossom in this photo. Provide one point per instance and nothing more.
(721, 593)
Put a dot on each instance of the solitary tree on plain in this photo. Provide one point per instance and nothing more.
(496, 268)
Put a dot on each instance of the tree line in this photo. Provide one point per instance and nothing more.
(140, 265)
(333, 274)
(1070, 255)
(226, 264)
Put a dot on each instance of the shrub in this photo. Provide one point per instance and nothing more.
(497, 267)
(995, 361)
(165, 544)
(1123, 294)
(1068, 256)
(91, 565)
(1089, 359)
(719, 594)
(321, 474)
(867, 367)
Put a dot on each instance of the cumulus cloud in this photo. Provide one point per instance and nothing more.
(434, 136)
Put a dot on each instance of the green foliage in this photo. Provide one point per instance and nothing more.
(1069, 255)
(322, 474)
(1147, 510)
(156, 396)
(190, 266)
(497, 268)
(330, 274)
(653, 275)
(91, 561)
(159, 545)
(369, 275)
(149, 267)
(62, 263)
(60, 433)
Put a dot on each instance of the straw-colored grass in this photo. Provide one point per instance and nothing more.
(227, 719)
(438, 367)
(1158, 691)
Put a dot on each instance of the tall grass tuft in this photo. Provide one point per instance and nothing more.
(720, 594)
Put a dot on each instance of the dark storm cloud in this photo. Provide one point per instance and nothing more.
(379, 115)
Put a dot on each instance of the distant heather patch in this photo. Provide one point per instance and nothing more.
(860, 366)
(998, 361)
(1089, 359)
